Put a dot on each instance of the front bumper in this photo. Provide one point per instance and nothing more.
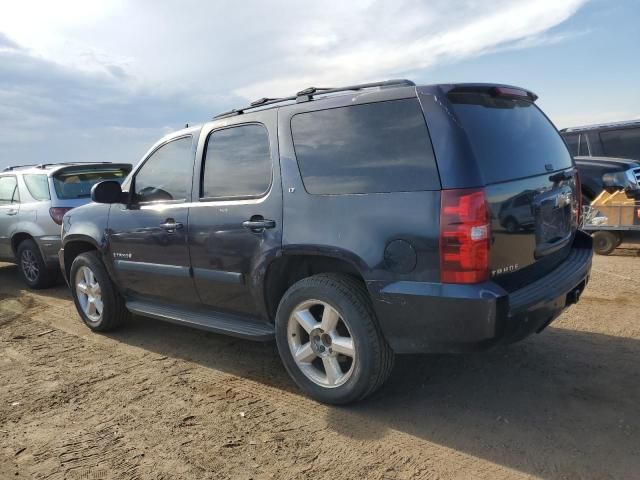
(420, 317)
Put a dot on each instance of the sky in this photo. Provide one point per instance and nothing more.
(102, 80)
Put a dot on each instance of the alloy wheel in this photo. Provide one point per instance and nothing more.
(29, 264)
(89, 294)
(321, 343)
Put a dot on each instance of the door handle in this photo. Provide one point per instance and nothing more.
(170, 225)
(258, 224)
(12, 212)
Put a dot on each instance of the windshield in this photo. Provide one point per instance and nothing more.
(510, 138)
(76, 182)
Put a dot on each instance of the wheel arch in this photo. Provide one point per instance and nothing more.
(19, 237)
(75, 245)
(285, 270)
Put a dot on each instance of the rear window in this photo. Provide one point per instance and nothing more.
(510, 138)
(76, 182)
(372, 148)
(622, 143)
(38, 186)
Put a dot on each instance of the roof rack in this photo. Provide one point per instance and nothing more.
(307, 95)
(42, 166)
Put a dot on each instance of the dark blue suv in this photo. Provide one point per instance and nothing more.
(349, 224)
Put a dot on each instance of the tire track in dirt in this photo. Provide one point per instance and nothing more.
(198, 422)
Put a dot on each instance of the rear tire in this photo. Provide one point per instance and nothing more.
(512, 225)
(604, 242)
(99, 304)
(33, 270)
(329, 339)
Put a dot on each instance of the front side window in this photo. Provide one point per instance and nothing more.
(38, 186)
(237, 163)
(167, 173)
(621, 143)
(9, 190)
(371, 148)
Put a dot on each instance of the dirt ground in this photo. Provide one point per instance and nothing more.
(159, 401)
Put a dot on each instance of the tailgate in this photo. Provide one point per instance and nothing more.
(529, 178)
(533, 222)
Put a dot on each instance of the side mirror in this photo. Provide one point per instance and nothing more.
(615, 180)
(108, 191)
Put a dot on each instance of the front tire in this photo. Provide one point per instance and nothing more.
(329, 340)
(33, 270)
(99, 304)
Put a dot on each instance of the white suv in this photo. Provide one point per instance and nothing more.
(33, 200)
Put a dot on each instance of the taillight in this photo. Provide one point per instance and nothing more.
(57, 213)
(464, 236)
(578, 195)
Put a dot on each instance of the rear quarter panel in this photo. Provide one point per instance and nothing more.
(357, 227)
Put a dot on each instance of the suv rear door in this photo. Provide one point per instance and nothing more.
(9, 209)
(237, 181)
(528, 175)
(148, 238)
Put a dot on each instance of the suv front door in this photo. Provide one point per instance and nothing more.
(148, 237)
(9, 209)
(237, 181)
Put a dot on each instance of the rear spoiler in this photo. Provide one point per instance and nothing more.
(505, 91)
(91, 167)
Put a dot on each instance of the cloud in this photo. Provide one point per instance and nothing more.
(111, 77)
(7, 44)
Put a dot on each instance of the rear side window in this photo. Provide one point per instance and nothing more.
(76, 182)
(38, 186)
(9, 190)
(167, 174)
(571, 140)
(510, 138)
(583, 149)
(622, 143)
(237, 163)
(372, 148)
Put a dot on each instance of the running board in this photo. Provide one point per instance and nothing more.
(216, 322)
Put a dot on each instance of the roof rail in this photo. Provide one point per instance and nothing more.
(14, 167)
(45, 165)
(595, 126)
(308, 93)
(42, 166)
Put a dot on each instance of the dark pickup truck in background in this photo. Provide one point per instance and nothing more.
(607, 156)
(619, 139)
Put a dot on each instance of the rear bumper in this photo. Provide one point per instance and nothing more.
(49, 246)
(419, 317)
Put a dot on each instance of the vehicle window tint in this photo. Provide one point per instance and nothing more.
(372, 148)
(76, 182)
(511, 138)
(167, 173)
(38, 186)
(584, 146)
(622, 143)
(9, 190)
(237, 163)
(572, 143)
